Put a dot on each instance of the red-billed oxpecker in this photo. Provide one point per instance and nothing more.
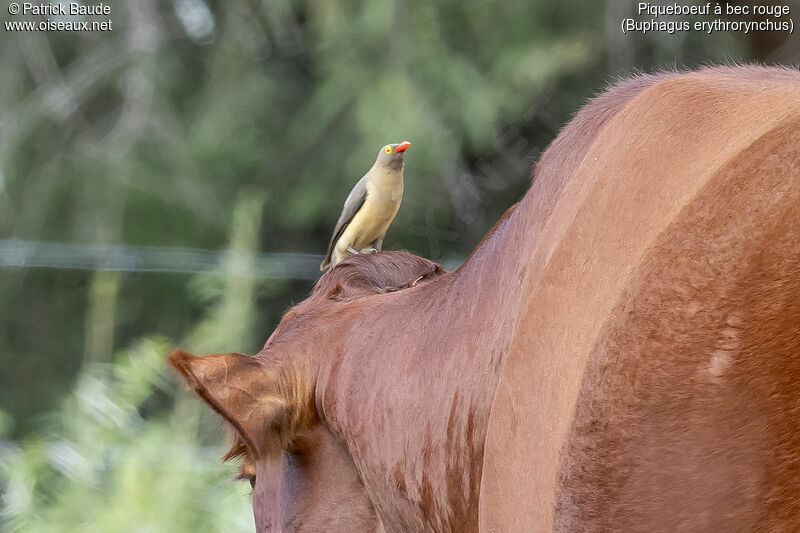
(369, 208)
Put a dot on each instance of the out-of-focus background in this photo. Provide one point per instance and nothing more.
(174, 182)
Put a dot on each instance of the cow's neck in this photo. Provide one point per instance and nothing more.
(411, 384)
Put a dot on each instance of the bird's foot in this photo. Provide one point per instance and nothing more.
(370, 251)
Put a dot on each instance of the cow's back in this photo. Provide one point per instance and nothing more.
(652, 381)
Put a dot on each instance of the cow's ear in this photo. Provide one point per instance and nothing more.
(243, 391)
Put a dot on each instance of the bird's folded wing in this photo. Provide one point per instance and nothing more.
(352, 204)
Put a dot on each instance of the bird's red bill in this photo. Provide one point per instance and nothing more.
(402, 147)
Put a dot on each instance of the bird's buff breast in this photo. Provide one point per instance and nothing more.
(373, 219)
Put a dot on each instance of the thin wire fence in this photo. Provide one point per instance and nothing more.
(29, 254)
(126, 258)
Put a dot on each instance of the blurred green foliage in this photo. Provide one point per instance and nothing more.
(120, 454)
(102, 465)
(243, 125)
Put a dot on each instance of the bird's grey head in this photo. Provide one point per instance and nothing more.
(391, 155)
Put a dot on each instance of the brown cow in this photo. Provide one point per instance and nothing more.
(621, 352)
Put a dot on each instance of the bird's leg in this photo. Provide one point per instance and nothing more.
(352, 250)
(374, 247)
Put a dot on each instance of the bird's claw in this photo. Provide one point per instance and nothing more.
(364, 251)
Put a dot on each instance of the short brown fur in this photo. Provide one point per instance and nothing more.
(617, 354)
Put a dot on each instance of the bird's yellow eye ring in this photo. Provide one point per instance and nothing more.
(388, 149)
